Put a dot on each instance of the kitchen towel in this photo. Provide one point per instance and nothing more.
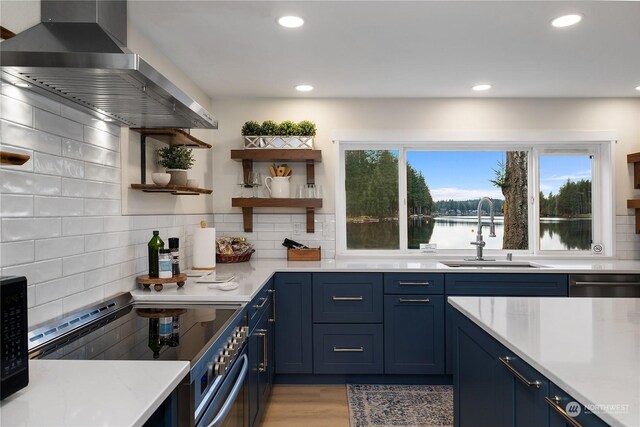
(204, 248)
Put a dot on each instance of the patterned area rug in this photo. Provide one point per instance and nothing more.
(400, 405)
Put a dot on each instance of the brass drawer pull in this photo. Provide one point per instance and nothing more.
(348, 350)
(506, 361)
(335, 298)
(554, 402)
(414, 283)
(413, 300)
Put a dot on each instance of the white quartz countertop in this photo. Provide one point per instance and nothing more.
(589, 347)
(252, 275)
(91, 393)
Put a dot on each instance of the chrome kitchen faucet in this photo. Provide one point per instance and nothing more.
(479, 242)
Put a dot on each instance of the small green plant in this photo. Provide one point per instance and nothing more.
(269, 128)
(288, 128)
(251, 128)
(307, 128)
(175, 157)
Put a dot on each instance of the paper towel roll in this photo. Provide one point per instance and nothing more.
(204, 248)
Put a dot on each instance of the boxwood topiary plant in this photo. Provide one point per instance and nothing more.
(288, 128)
(176, 157)
(307, 128)
(269, 128)
(251, 128)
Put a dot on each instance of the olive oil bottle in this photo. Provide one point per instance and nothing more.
(155, 244)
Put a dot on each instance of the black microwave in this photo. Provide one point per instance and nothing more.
(14, 364)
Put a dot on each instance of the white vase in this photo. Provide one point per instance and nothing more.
(178, 177)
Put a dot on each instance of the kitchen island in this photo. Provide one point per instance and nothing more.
(586, 347)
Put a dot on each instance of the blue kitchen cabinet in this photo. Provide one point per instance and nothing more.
(347, 298)
(492, 387)
(498, 284)
(294, 328)
(260, 349)
(565, 411)
(414, 334)
(348, 348)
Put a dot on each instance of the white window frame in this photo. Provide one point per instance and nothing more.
(599, 144)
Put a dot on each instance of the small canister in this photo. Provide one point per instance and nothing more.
(174, 247)
(164, 259)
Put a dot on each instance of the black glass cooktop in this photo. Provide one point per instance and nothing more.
(142, 332)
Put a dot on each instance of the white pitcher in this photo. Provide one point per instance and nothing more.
(279, 187)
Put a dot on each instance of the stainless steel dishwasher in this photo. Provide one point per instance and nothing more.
(604, 285)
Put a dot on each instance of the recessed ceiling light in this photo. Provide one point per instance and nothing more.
(304, 88)
(566, 20)
(291, 21)
(479, 88)
(22, 84)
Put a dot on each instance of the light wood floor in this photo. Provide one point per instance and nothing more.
(307, 406)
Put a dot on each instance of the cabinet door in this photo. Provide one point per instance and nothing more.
(499, 284)
(565, 411)
(347, 297)
(414, 334)
(253, 375)
(293, 330)
(264, 360)
(348, 348)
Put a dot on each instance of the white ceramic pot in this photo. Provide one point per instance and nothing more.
(160, 179)
(279, 187)
(178, 177)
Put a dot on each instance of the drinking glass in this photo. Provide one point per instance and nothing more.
(311, 191)
(256, 181)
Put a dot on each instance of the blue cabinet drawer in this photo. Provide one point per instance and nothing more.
(506, 284)
(261, 300)
(347, 349)
(347, 298)
(413, 283)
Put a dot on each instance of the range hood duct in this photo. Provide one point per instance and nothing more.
(78, 56)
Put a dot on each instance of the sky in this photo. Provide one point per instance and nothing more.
(465, 175)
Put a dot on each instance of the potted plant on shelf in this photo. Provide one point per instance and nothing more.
(287, 134)
(177, 159)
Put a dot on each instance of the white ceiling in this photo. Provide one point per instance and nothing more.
(399, 48)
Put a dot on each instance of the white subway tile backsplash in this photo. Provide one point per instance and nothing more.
(81, 263)
(58, 206)
(15, 206)
(60, 224)
(12, 253)
(16, 111)
(101, 173)
(11, 133)
(36, 272)
(101, 138)
(59, 247)
(57, 125)
(30, 228)
(28, 183)
(59, 288)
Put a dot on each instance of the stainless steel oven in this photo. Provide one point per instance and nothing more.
(212, 337)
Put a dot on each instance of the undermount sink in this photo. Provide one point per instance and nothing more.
(492, 264)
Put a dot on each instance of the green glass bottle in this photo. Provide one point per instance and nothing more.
(155, 244)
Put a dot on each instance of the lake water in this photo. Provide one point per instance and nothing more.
(457, 232)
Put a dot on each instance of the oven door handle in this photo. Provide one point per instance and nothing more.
(228, 404)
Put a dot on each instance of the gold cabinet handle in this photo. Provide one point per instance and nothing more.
(506, 361)
(554, 402)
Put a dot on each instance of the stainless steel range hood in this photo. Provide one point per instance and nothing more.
(78, 56)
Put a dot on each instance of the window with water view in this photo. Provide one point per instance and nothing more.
(442, 190)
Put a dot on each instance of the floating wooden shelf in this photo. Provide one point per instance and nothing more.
(8, 158)
(274, 155)
(248, 156)
(635, 203)
(248, 203)
(172, 136)
(176, 190)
